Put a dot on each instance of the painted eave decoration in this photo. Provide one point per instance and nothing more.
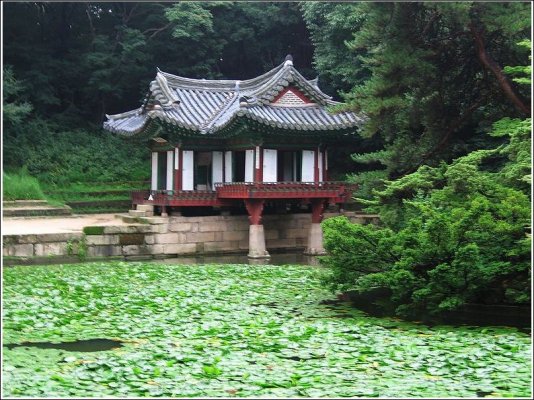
(281, 98)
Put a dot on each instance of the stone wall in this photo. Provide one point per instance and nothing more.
(164, 237)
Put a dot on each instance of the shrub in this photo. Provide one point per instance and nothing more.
(451, 235)
(21, 186)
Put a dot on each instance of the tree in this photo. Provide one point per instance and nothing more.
(78, 61)
(15, 108)
(451, 234)
(436, 83)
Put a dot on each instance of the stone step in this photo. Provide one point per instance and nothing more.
(36, 211)
(137, 213)
(24, 203)
(130, 219)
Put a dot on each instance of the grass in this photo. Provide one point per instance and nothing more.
(99, 194)
(21, 186)
(236, 331)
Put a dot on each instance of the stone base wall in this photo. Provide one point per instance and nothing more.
(162, 237)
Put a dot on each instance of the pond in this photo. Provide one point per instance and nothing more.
(235, 331)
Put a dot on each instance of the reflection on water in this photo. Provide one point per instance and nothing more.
(80, 345)
(295, 258)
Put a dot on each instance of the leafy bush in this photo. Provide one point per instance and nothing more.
(21, 186)
(451, 235)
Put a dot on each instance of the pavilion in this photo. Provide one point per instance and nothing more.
(218, 142)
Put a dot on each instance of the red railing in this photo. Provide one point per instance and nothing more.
(284, 189)
(175, 197)
(338, 192)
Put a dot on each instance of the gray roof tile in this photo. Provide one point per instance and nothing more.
(207, 106)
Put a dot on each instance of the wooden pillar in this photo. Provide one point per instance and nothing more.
(325, 161)
(177, 169)
(256, 237)
(316, 165)
(318, 206)
(255, 209)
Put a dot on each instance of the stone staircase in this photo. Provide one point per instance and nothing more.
(135, 216)
(33, 208)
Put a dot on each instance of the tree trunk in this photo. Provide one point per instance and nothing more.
(489, 63)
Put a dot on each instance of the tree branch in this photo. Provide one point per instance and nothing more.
(489, 63)
(91, 25)
(156, 30)
(452, 128)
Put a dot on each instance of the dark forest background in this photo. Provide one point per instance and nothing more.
(68, 64)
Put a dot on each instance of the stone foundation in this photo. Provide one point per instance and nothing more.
(159, 237)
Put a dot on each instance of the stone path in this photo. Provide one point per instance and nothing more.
(74, 223)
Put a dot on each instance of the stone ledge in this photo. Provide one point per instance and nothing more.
(43, 237)
(137, 228)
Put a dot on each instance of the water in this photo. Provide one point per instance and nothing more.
(295, 258)
(80, 345)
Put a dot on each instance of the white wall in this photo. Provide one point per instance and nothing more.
(187, 170)
(170, 165)
(270, 163)
(249, 166)
(308, 166)
(154, 181)
(228, 167)
(216, 168)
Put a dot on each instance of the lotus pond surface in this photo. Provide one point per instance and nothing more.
(235, 331)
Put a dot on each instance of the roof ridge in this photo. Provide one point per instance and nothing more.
(211, 121)
(219, 83)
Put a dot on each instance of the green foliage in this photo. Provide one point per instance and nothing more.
(452, 235)
(417, 76)
(14, 109)
(60, 157)
(82, 248)
(21, 186)
(191, 20)
(76, 62)
(517, 171)
(235, 331)
(331, 27)
(93, 230)
(78, 246)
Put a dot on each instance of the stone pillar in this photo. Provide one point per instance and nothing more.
(315, 238)
(148, 209)
(256, 242)
(256, 236)
(164, 211)
(315, 241)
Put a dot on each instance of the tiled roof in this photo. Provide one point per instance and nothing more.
(207, 106)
